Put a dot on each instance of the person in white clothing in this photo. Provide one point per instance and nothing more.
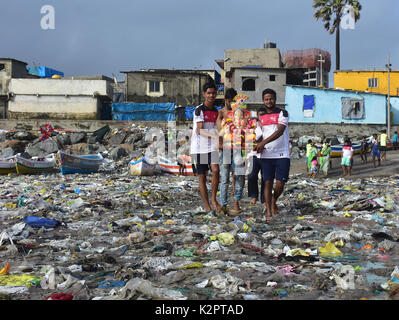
(205, 144)
(274, 149)
(347, 156)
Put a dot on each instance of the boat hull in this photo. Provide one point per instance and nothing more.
(69, 164)
(336, 150)
(7, 165)
(27, 166)
(172, 167)
(141, 167)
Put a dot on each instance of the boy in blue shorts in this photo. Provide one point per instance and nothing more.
(375, 150)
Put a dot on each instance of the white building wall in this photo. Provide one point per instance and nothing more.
(60, 87)
(57, 98)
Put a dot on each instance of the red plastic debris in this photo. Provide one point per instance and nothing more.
(60, 296)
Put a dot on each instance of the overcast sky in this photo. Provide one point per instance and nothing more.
(106, 37)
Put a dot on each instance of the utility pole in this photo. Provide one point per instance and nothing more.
(389, 98)
(321, 60)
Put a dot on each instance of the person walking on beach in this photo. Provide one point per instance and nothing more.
(314, 167)
(204, 146)
(346, 160)
(383, 145)
(254, 168)
(395, 141)
(325, 157)
(311, 154)
(375, 150)
(274, 149)
(222, 115)
(364, 149)
(233, 131)
(308, 148)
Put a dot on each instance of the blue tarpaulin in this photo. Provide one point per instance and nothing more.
(308, 102)
(44, 72)
(143, 111)
(190, 111)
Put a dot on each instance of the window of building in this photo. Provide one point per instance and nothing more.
(373, 82)
(272, 77)
(248, 84)
(155, 86)
(2, 66)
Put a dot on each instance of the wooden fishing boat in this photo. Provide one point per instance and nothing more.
(172, 167)
(336, 150)
(34, 165)
(73, 163)
(7, 165)
(142, 167)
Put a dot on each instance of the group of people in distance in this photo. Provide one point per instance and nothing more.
(378, 147)
(319, 160)
(233, 140)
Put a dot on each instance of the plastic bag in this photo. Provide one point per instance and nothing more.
(225, 238)
(37, 222)
(329, 251)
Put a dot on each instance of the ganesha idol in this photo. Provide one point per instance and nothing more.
(238, 129)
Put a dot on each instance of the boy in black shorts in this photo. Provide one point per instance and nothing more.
(205, 144)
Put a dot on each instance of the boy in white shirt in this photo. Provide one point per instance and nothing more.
(205, 144)
(347, 155)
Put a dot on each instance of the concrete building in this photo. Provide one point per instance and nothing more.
(252, 81)
(9, 68)
(182, 87)
(250, 71)
(237, 58)
(331, 106)
(375, 81)
(58, 98)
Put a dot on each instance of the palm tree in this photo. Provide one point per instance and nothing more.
(332, 9)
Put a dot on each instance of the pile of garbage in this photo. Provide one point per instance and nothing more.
(115, 144)
(115, 236)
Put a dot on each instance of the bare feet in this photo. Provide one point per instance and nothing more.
(216, 206)
(275, 210)
(268, 212)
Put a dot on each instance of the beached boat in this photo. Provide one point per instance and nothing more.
(34, 165)
(172, 167)
(142, 167)
(73, 163)
(336, 150)
(7, 165)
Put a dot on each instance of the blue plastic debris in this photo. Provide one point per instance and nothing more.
(37, 222)
(111, 284)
